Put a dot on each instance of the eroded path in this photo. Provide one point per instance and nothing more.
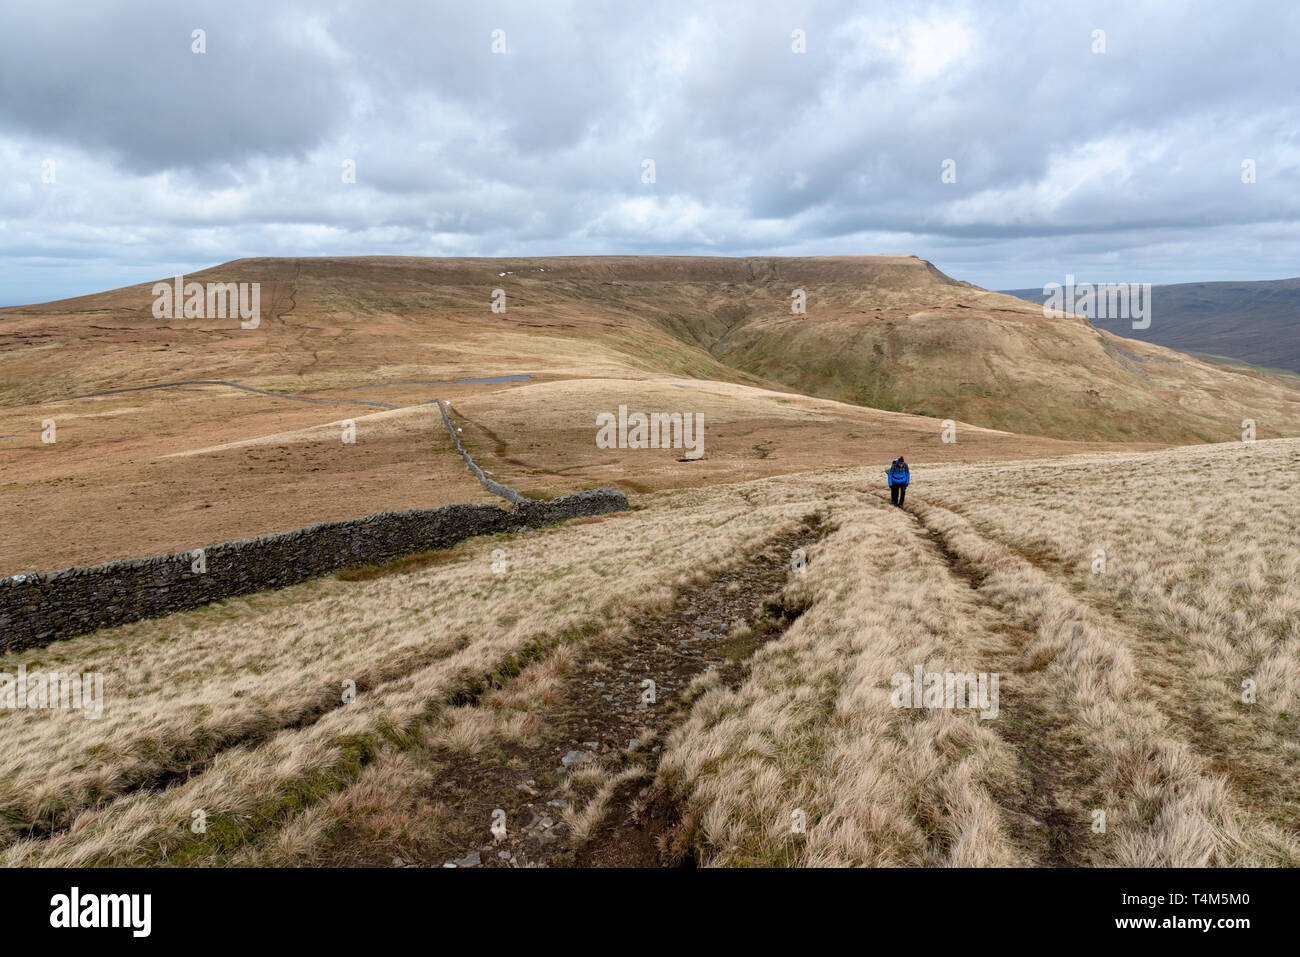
(296, 397)
(1112, 774)
(575, 788)
(1236, 762)
(1047, 805)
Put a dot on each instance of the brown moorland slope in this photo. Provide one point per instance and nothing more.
(178, 462)
(888, 332)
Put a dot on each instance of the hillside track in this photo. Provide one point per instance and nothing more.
(1046, 809)
(1090, 730)
(599, 741)
(1241, 754)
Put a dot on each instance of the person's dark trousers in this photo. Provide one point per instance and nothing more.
(896, 494)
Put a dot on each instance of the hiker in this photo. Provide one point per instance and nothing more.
(899, 476)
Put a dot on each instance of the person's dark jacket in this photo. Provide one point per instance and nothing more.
(899, 474)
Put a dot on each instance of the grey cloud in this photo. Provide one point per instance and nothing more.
(1062, 155)
(125, 78)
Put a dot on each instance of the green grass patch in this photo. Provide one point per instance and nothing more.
(398, 566)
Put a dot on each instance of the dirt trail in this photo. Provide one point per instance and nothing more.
(1244, 755)
(233, 385)
(601, 729)
(296, 397)
(1046, 809)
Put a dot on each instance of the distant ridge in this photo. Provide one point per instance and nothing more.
(889, 332)
(1254, 322)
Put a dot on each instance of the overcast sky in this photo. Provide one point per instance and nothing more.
(1122, 165)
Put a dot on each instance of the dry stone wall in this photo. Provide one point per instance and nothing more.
(39, 608)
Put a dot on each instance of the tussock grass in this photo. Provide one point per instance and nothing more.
(812, 730)
(1121, 690)
(239, 709)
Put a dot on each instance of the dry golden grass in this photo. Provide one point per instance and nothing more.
(1199, 578)
(813, 731)
(542, 436)
(1120, 691)
(212, 701)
